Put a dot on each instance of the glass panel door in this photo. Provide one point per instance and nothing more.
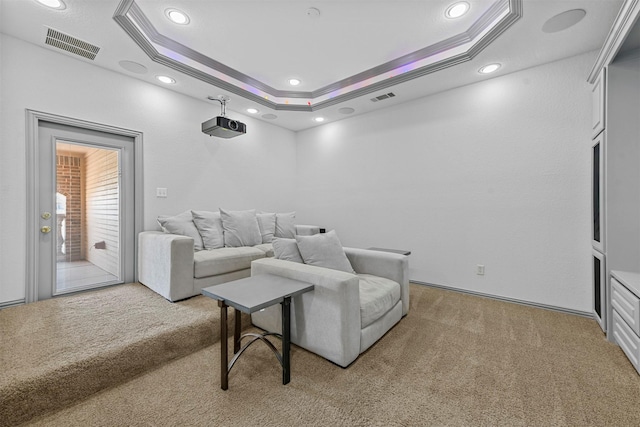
(87, 217)
(86, 209)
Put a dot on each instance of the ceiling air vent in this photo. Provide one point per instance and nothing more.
(383, 96)
(71, 44)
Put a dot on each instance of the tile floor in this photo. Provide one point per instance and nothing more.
(81, 274)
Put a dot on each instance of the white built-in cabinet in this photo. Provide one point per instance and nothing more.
(625, 300)
(615, 183)
(598, 177)
(598, 96)
(597, 192)
(599, 272)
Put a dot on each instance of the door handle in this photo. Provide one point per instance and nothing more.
(46, 215)
(45, 229)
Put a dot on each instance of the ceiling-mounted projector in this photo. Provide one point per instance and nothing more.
(222, 126)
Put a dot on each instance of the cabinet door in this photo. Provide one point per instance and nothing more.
(597, 193)
(598, 104)
(599, 289)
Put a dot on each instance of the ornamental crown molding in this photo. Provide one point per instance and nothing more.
(627, 17)
(435, 57)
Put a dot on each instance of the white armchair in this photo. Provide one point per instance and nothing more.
(346, 313)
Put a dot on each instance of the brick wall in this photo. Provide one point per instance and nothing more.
(69, 179)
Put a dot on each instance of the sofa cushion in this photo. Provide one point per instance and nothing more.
(324, 250)
(377, 296)
(183, 225)
(267, 225)
(286, 249)
(209, 225)
(267, 248)
(240, 228)
(224, 260)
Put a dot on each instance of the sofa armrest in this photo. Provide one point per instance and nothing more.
(383, 264)
(325, 321)
(307, 230)
(165, 264)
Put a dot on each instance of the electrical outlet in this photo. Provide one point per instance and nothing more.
(161, 192)
(480, 270)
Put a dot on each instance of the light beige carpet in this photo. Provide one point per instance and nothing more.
(54, 352)
(454, 360)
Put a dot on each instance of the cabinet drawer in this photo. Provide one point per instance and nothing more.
(626, 304)
(627, 340)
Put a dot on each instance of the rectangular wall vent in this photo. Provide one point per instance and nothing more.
(71, 44)
(383, 96)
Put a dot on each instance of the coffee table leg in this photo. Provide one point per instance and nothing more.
(224, 370)
(286, 340)
(237, 314)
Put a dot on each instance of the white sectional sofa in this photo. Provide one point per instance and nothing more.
(178, 262)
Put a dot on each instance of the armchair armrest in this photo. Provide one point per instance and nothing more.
(383, 264)
(165, 264)
(325, 321)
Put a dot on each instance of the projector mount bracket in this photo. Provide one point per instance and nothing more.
(222, 99)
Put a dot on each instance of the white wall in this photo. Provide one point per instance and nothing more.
(494, 173)
(252, 171)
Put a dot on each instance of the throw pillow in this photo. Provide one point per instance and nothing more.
(286, 249)
(183, 225)
(240, 228)
(324, 250)
(209, 225)
(267, 225)
(285, 225)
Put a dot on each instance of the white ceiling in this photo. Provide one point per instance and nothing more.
(272, 41)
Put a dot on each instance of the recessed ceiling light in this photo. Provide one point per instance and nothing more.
(456, 10)
(177, 16)
(252, 110)
(489, 68)
(346, 110)
(269, 116)
(294, 82)
(319, 119)
(166, 79)
(53, 4)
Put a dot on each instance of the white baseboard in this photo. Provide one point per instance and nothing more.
(7, 304)
(512, 300)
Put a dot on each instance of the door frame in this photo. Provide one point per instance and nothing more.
(33, 119)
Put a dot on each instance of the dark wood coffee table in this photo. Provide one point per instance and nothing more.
(250, 295)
